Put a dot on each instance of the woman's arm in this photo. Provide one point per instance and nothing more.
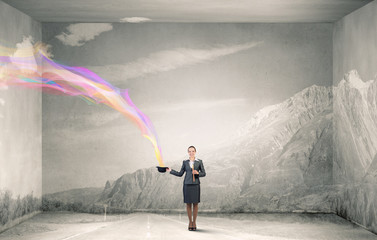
(202, 171)
(180, 173)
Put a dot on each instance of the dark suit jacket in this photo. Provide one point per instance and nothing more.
(198, 166)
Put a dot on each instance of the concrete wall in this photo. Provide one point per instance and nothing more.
(354, 169)
(355, 116)
(205, 85)
(20, 129)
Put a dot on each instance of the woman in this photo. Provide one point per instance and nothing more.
(194, 169)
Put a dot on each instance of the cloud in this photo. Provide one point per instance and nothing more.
(25, 50)
(135, 19)
(168, 60)
(80, 33)
(23, 58)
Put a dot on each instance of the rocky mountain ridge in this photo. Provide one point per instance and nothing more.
(276, 151)
(355, 149)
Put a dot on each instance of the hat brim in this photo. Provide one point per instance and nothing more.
(161, 169)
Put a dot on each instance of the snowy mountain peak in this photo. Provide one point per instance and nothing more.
(304, 104)
(351, 74)
(354, 80)
(355, 114)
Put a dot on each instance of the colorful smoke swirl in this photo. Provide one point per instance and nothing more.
(32, 68)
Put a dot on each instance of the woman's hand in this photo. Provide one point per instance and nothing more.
(195, 172)
(168, 169)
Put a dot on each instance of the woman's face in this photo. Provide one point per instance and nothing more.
(191, 152)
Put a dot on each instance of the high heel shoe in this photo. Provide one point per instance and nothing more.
(190, 228)
(194, 228)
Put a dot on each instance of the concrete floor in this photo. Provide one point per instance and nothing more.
(76, 226)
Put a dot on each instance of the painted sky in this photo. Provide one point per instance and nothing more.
(198, 83)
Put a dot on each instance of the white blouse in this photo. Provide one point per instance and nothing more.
(192, 162)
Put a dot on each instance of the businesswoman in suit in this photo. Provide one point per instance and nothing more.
(194, 169)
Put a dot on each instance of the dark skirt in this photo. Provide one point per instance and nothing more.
(191, 193)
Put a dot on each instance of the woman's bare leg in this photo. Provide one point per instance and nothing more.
(196, 208)
(189, 212)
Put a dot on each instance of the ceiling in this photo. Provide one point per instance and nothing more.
(187, 10)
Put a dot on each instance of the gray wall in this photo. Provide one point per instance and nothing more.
(20, 128)
(355, 45)
(296, 160)
(355, 115)
(264, 111)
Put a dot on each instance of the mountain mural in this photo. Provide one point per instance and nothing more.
(355, 108)
(355, 149)
(281, 160)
